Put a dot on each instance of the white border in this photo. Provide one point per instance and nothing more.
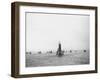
(69, 68)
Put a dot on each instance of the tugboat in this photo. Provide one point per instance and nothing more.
(59, 51)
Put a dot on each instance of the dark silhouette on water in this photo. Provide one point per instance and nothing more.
(59, 51)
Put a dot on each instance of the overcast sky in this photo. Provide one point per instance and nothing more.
(44, 31)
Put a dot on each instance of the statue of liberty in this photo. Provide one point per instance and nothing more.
(59, 51)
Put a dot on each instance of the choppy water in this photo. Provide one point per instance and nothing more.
(36, 60)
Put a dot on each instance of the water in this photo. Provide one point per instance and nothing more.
(51, 59)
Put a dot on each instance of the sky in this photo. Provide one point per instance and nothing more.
(45, 31)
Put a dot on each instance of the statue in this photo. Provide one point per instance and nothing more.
(59, 51)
